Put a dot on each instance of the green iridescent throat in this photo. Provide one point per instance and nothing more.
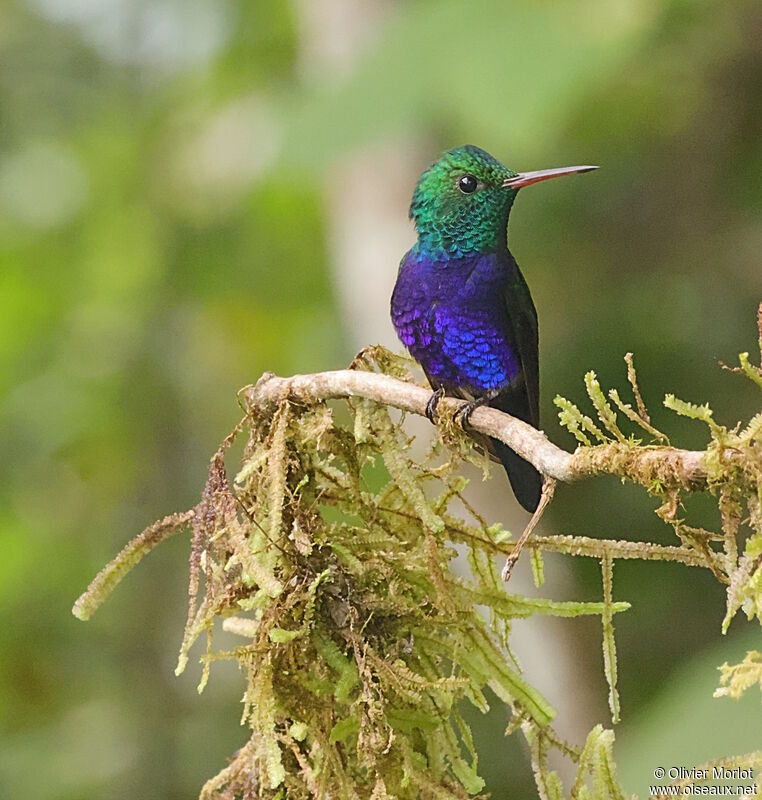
(451, 223)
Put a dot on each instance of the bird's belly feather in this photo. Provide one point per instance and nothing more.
(454, 323)
(474, 341)
(458, 345)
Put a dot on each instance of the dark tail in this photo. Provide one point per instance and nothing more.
(526, 481)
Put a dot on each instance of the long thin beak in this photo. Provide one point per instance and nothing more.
(528, 178)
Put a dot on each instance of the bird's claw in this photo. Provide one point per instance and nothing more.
(431, 406)
(462, 416)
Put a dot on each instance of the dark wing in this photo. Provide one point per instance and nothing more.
(522, 318)
(522, 398)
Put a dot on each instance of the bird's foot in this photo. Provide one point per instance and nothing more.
(462, 416)
(431, 406)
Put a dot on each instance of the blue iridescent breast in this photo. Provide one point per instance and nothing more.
(452, 318)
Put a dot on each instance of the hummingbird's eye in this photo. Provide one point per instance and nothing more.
(467, 184)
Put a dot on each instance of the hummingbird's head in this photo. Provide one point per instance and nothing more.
(461, 202)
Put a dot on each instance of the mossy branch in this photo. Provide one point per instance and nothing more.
(644, 465)
(330, 556)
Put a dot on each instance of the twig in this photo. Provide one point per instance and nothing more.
(632, 377)
(589, 547)
(548, 489)
(106, 580)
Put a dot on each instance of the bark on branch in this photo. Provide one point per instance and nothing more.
(644, 464)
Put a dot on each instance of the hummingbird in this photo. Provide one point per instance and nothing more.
(461, 305)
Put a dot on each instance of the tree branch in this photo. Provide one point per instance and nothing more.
(669, 466)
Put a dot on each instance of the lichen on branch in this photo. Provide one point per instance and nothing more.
(329, 555)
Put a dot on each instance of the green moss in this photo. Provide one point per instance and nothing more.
(360, 643)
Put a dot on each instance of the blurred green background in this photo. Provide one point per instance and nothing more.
(192, 193)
